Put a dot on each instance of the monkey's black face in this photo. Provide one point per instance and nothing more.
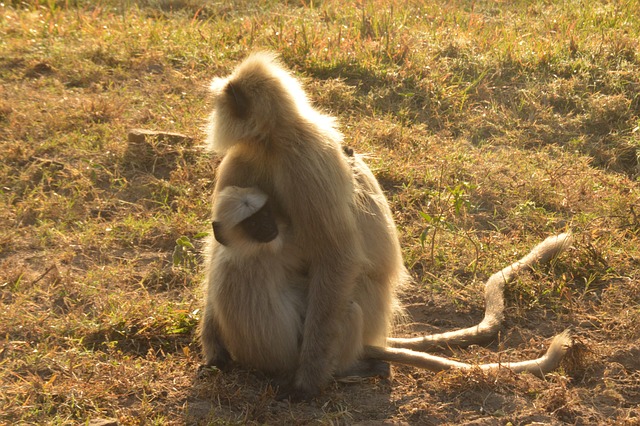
(260, 227)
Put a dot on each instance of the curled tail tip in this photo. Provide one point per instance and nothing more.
(559, 348)
(560, 240)
(561, 344)
(552, 246)
(565, 239)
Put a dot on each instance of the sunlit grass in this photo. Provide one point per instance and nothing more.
(490, 125)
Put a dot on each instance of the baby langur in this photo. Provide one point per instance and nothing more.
(255, 296)
(322, 294)
(244, 218)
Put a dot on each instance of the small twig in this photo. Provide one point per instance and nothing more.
(46, 162)
(44, 274)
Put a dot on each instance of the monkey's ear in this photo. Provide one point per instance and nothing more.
(238, 101)
(348, 151)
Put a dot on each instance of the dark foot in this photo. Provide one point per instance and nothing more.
(218, 364)
(367, 368)
(294, 394)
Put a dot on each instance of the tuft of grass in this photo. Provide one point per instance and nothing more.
(489, 126)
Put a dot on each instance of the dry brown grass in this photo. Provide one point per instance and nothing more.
(490, 125)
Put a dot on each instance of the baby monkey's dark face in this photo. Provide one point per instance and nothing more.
(260, 227)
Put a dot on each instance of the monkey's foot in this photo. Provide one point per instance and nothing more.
(295, 394)
(218, 364)
(364, 369)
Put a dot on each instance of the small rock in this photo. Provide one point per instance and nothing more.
(144, 135)
(156, 152)
(40, 69)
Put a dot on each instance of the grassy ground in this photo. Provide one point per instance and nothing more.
(490, 125)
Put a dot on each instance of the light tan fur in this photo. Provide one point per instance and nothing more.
(255, 296)
(324, 296)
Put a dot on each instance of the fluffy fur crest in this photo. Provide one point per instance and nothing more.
(257, 101)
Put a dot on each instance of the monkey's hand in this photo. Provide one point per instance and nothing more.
(205, 371)
(219, 363)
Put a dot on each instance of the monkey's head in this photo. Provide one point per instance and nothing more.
(258, 99)
(243, 218)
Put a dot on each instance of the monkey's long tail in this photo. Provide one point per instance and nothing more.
(494, 302)
(540, 366)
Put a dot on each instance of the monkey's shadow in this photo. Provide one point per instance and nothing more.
(240, 395)
(237, 394)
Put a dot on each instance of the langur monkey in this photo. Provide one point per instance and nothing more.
(302, 276)
(269, 289)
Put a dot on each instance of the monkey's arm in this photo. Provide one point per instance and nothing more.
(325, 227)
(494, 302)
(236, 170)
(326, 314)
